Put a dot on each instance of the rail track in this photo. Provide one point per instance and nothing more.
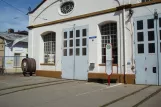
(147, 98)
(133, 93)
(15, 89)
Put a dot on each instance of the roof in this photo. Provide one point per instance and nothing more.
(42, 2)
(12, 36)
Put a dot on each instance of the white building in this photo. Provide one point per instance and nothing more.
(15, 49)
(68, 37)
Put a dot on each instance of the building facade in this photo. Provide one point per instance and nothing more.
(14, 48)
(68, 37)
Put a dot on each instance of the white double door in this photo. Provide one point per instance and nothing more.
(148, 50)
(75, 53)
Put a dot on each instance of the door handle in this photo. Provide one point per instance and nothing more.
(154, 70)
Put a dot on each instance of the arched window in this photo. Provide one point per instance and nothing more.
(49, 47)
(109, 35)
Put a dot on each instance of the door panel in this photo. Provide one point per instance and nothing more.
(67, 55)
(81, 59)
(159, 47)
(151, 51)
(146, 51)
(75, 60)
(140, 52)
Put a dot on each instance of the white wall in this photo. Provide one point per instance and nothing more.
(36, 43)
(21, 50)
(81, 7)
(94, 46)
(9, 56)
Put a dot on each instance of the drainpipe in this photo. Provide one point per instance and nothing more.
(120, 40)
(156, 19)
(74, 35)
(124, 35)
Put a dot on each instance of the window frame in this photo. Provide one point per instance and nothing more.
(49, 41)
(109, 34)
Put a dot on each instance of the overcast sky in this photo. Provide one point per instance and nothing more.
(11, 18)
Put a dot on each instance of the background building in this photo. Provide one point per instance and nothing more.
(14, 48)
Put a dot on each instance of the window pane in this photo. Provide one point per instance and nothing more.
(70, 52)
(139, 25)
(140, 48)
(159, 22)
(151, 36)
(103, 51)
(77, 33)
(84, 42)
(65, 35)
(71, 34)
(77, 51)
(150, 23)
(65, 43)
(84, 52)
(103, 59)
(110, 32)
(71, 43)
(151, 47)
(84, 32)
(77, 42)
(140, 36)
(160, 47)
(65, 52)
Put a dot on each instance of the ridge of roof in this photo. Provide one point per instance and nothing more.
(42, 2)
(11, 36)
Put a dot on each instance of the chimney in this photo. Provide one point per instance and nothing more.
(10, 30)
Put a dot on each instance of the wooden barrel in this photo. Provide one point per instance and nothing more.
(28, 66)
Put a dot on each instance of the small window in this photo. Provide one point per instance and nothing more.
(150, 23)
(109, 35)
(70, 52)
(67, 7)
(49, 47)
(77, 33)
(151, 48)
(71, 43)
(77, 42)
(159, 22)
(77, 51)
(17, 60)
(139, 25)
(84, 42)
(84, 32)
(65, 43)
(151, 36)
(140, 48)
(65, 35)
(140, 36)
(65, 52)
(84, 52)
(71, 34)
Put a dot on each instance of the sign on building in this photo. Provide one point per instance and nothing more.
(109, 59)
